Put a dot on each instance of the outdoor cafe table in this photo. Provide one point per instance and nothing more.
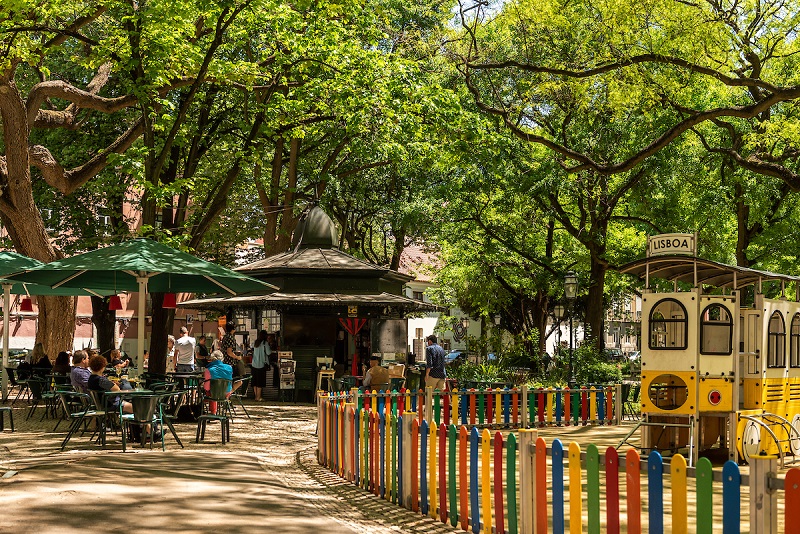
(191, 383)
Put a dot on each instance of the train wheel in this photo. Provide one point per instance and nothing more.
(751, 441)
(794, 440)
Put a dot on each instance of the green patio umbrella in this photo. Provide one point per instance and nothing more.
(10, 263)
(140, 265)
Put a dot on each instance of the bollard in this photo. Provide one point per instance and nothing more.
(527, 480)
(763, 500)
(405, 498)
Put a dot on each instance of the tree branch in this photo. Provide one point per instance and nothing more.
(635, 60)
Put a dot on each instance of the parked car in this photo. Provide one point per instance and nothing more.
(635, 355)
(454, 357)
(613, 355)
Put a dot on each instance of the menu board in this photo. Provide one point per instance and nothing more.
(287, 373)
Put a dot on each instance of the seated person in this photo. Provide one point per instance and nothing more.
(216, 368)
(62, 363)
(376, 376)
(42, 365)
(98, 382)
(79, 376)
(119, 361)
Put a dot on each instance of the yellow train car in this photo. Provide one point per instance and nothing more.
(717, 373)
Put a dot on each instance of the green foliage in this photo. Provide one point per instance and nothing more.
(590, 367)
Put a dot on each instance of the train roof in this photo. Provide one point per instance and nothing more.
(682, 269)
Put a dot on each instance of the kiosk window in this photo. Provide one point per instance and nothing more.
(716, 330)
(794, 342)
(668, 326)
(776, 341)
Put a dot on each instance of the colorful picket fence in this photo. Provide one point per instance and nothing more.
(484, 481)
(497, 408)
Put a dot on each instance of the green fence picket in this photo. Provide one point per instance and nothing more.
(481, 406)
(593, 488)
(704, 480)
(511, 483)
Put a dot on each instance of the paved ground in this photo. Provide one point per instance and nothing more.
(266, 478)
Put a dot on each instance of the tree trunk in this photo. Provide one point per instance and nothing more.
(593, 321)
(105, 322)
(56, 326)
(162, 327)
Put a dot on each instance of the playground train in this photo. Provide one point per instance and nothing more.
(720, 362)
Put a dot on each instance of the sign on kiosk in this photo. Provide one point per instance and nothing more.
(669, 244)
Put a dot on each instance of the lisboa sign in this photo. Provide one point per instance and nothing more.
(669, 244)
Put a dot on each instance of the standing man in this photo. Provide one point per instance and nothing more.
(201, 353)
(184, 348)
(435, 373)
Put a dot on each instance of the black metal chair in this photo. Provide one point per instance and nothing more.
(40, 393)
(630, 407)
(168, 404)
(81, 409)
(240, 393)
(20, 380)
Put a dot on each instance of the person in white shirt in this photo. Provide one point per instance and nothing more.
(184, 349)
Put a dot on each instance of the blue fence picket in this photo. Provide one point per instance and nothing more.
(731, 478)
(655, 492)
(506, 407)
(464, 406)
(474, 502)
(558, 486)
(601, 405)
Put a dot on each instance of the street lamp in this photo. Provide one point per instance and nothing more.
(202, 316)
(570, 293)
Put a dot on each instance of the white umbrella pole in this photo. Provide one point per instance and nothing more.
(6, 337)
(140, 320)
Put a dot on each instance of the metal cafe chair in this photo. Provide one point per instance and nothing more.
(218, 393)
(145, 412)
(168, 405)
(240, 394)
(81, 410)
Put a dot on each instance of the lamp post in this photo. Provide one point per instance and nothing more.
(465, 325)
(202, 316)
(570, 293)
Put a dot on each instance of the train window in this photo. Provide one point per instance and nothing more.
(794, 342)
(716, 330)
(776, 341)
(668, 326)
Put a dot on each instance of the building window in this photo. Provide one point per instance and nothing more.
(794, 342)
(776, 341)
(417, 295)
(668, 326)
(716, 330)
